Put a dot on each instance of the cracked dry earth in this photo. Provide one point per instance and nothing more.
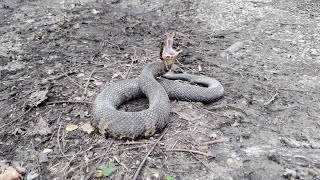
(56, 56)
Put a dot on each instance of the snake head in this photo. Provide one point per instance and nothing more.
(167, 54)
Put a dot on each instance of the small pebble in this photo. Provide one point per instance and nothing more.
(32, 175)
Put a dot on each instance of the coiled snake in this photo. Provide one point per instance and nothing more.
(145, 123)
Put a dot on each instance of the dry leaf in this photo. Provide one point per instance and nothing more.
(99, 174)
(37, 97)
(41, 128)
(71, 127)
(82, 114)
(10, 174)
(86, 127)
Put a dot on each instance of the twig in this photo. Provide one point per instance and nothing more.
(68, 165)
(271, 100)
(221, 107)
(222, 140)
(16, 119)
(145, 158)
(58, 138)
(296, 90)
(36, 158)
(225, 67)
(66, 75)
(201, 107)
(88, 81)
(70, 155)
(135, 142)
(184, 163)
(174, 144)
(183, 10)
(118, 161)
(178, 62)
(191, 151)
(66, 101)
(113, 44)
(132, 60)
(202, 162)
(131, 148)
(72, 170)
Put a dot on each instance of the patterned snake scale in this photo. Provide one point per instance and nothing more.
(145, 123)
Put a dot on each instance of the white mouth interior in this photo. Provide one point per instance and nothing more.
(169, 50)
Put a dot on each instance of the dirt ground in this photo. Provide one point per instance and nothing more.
(56, 56)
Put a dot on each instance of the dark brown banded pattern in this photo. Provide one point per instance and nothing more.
(145, 123)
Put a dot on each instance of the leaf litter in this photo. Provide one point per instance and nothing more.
(41, 127)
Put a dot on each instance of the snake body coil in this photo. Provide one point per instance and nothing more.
(145, 123)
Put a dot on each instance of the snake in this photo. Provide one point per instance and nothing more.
(159, 87)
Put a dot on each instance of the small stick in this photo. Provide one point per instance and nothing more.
(16, 119)
(58, 138)
(70, 155)
(115, 158)
(296, 90)
(183, 10)
(131, 148)
(87, 82)
(223, 107)
(184, 163)
(202, 162)
(36, 158)
(132, 60)
(222, 140)
(271, 100)
(191, 151)
(59, 102)
(68, 165)
(174, 145)
(72, 169)
(135, 142)
(225, 67)
(147, 155)
(181, 65)
(66, 75)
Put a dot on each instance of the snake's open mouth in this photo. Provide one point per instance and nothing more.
(168, 54)
(168, 49)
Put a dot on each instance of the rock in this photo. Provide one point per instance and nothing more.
(230, 162)
(32, 175)
(290, 142)
(232, 49)
(42, 157)
(47, 151)
(314, 144)
(289, 173)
